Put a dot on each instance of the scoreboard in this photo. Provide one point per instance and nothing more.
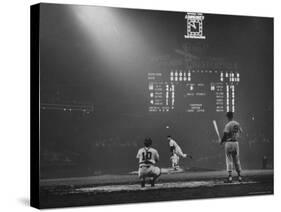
(193, 90)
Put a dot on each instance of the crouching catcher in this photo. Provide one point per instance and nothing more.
(148, 157)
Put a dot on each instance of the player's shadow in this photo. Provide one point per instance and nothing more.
(24, 201)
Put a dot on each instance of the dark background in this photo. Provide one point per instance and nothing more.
(101, 56)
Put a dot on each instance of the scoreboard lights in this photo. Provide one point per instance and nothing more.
(221, 84)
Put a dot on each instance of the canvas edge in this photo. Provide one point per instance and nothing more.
(34, 106)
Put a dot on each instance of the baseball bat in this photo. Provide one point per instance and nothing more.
(216, 129)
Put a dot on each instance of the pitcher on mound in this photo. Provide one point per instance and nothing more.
(176, 153)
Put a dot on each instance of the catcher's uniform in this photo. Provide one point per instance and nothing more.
(177, 149)
(233, 131)
(147, 159)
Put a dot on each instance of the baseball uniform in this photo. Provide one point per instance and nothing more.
(147, 159)
(233, 130)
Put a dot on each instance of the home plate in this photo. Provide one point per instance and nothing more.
(136, 187)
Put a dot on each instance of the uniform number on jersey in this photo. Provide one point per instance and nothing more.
(146, 155)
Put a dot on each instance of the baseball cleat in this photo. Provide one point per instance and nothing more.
(228, 180)
(184, 155)
(176, 167)
(152, 183)
(240, 178)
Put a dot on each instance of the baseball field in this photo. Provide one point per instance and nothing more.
(125, 188)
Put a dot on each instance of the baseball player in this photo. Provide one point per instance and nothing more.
(148, 157)
(176, 153)
(230, 137)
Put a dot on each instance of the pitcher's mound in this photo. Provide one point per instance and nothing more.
(164, 171)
